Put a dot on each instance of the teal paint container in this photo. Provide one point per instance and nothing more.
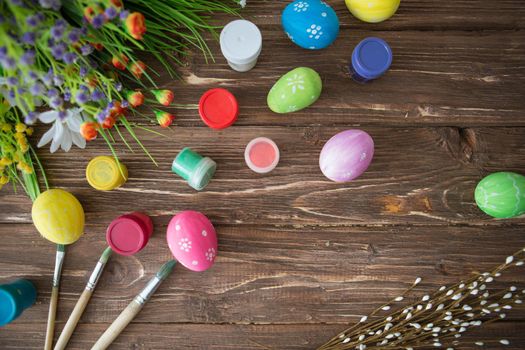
(15, 297)
(194, 168)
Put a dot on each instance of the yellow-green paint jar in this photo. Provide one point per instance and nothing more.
(372, 11)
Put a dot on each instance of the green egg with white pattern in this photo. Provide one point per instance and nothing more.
(501, 195)
(295, 90)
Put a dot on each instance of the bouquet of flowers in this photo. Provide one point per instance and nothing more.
(75, 66)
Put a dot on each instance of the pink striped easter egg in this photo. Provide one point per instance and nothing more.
(192, 240)
(346, 155)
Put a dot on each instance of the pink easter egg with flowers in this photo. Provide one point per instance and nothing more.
(192, 240)
(346, 155)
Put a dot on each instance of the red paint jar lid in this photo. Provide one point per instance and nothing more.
(128, 234)
(218, 108)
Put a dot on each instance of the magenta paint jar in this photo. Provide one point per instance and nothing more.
(129, 233)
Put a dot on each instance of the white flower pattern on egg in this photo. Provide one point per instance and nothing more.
(210, 254)
(204, 233)
(185, 244)
(314, 31)
(363, 156)
(301, 6)
(296, 82)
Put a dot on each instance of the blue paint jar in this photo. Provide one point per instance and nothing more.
(15, 297)
(371, 58)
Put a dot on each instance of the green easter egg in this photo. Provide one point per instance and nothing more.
(501, 195)
(295, 90)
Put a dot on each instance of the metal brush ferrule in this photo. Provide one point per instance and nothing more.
(59, 261)
(148, 291)
(95, 275)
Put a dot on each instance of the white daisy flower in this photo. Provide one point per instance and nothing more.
(65, 130)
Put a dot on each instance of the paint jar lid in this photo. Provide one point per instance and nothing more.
(372, 57)
(9, 308)
(261, 155)
(103, 173)
(218, 108)
(241, 41)
(128, 234)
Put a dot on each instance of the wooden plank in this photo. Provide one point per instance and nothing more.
(147, 336)
(464, 78)
(413, 14)
(418, 176)
(334, 275)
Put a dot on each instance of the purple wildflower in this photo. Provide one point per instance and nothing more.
(52, 93)
(81, 97)
(111, 105)
(74, 35)
(86, 50)
(58, 51)
(67, 95)
(111, 12)
(3, 52)
(123, 15)
(12, 81)
(101, 116)
(57, 32)
(58, 80)
(48, 78)
(83, 88)
(30, 118)
(97, 95)
(40, 16)
(11, 94)
(32, 75)
(32, 21)
(29, 38)
(61, 23)
(56, 102)
(8, 63)
(21, 90)
(17, 2)
(98, 21)
(83, 30)
(83, 71)
(70, 57)
(118, 85)
(124, 104)
(62, 115)
(37, 89)
(28, 58)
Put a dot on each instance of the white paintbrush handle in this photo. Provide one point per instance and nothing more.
(73, 319)
(118, 325)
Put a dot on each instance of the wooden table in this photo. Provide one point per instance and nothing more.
(301, 257)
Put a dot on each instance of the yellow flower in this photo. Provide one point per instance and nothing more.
(3, 180)
(29, 131)
(5, 161)
(20, 127)
(6, 127)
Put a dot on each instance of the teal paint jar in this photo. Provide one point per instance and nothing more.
(194, 168)
(15, 297)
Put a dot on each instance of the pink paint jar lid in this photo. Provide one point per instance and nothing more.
(129, 233)
(261, 155)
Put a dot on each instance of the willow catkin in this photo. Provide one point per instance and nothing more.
(438, 319)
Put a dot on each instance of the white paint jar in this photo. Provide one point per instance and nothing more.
(241, 44)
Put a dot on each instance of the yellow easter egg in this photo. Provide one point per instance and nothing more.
(373, 11)
(58, 216)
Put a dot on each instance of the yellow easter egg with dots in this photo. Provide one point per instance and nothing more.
(58, 216)
(372, 11)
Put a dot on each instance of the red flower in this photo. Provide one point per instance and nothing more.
(120, 63)
(117, 110)
(89, 131)
(89, 13)
(116, 3)
(98, 46)
(135, 25)
(164, 118)
(135, 98)
(165, 97)
(137, 68)
(109, 122)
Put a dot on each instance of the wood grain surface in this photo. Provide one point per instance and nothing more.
(301, 257)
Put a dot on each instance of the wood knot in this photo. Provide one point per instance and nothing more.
(460, 143)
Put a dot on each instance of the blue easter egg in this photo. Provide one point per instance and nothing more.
(311, 24)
